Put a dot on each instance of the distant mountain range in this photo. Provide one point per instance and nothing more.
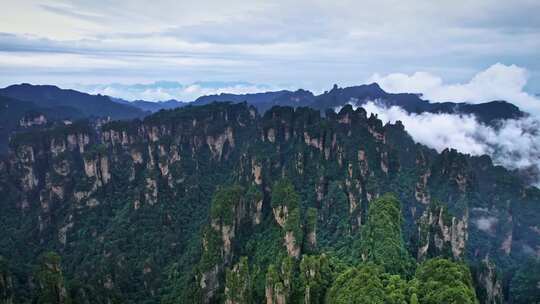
(151, 106)
(58, 104)
(358, 95)
(46, 96)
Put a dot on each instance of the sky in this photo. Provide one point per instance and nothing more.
(460, 50)
(243, 46)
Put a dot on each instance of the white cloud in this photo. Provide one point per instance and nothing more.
(498, 82)
(165, 90)
(313, 43)
(486, 223)
(514, 143)
(438, 131)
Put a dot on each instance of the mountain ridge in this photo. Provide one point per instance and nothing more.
(486, 112)
(89, 105)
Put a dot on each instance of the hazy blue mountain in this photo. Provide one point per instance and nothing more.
(58, 104)
(252, 98)
(358, 95)
(413, 103)
(263, 101)
(14, 111)
(55, 104)
(159, 105)
(88, 105)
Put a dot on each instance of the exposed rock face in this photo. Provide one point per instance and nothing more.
(293, 248)
(281, 213)
(421, 192)
(312, 276)
(257, 215)
(136, 156)
(271, 135)
(489, 283)
(30, 121)
(24, 164)
(384, 162)
(98, 168)
(506, 245)
(104, 169)
(364, 166)
(238, 285)
(458, 235)
(312, 238)
(313, 141)
(62, 167)
(91, 203)
(78, 141)
(439, 230)
(216, 143)
(151, 192)
(229, 210)
(90, 167)
(452, 166)
(58, 146)
(114, 138)
(279, 283)
(378, 135)
(257, 172)
(291, 242)
(62, 233)
(6, 283)
(50, 280)
(108, 283)
(209, 283)
(310, 227)
(227, 235)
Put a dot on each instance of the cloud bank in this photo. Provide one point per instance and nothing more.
(514, 144)
(498, 82)
(307, 43)
(166, 90)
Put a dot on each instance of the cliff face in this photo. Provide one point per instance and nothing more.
(6, 283)
(441, 234)
(133, 194)
(489, 282)
(227, 213)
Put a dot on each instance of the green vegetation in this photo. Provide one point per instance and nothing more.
(316, 276)
(238, 283)
(443, 281)
(50, 281)
(284, 195)
(382, 240)
(6, 282)
(173, 214)
(526, 282)
(358, 285)
(224, 203)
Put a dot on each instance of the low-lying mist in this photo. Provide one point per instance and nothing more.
(513, 143)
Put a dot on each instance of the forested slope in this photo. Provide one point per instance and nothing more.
(220, 204)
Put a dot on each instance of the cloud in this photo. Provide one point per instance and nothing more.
(165, 90)
(513, 143)
(308, 43)
(498, 82)
(486, 223)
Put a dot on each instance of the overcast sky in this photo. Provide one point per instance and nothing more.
(268, 44)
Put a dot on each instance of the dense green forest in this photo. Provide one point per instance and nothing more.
(218, 204)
